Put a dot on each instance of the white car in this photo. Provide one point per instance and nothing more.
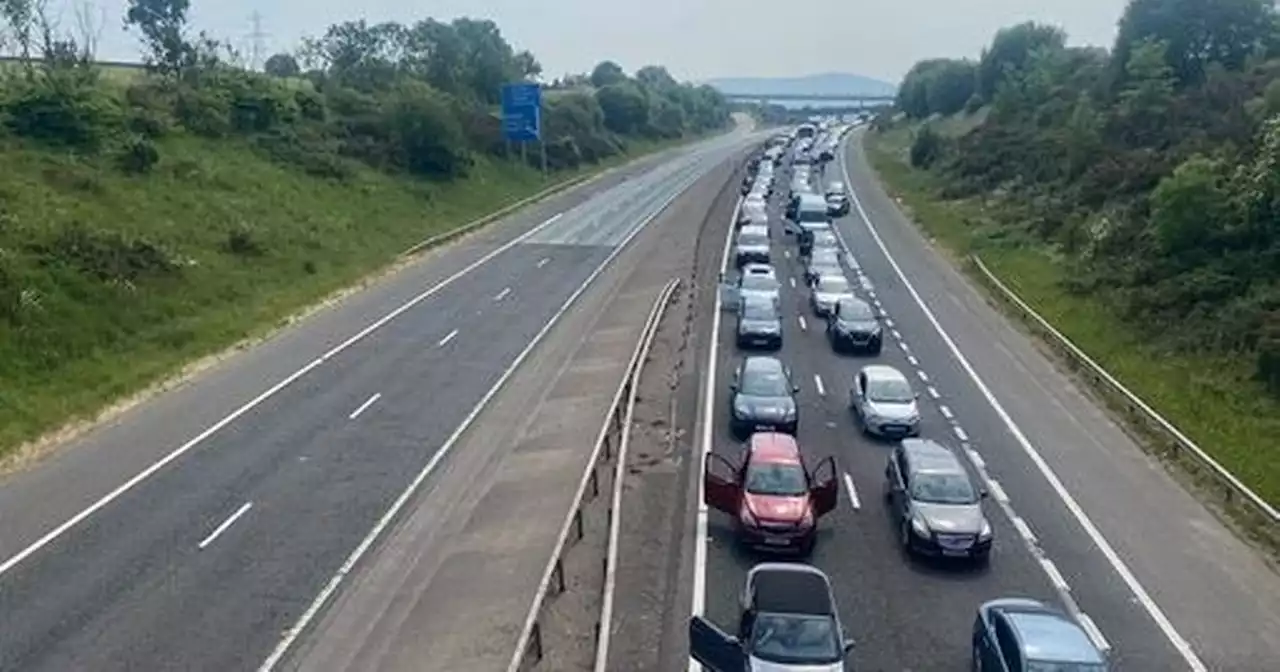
(828, 290)
(885, 403)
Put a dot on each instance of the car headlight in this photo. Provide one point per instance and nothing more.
(985, 532)
(920, 526)
(740, 408)
(789, 415)
(745, 517)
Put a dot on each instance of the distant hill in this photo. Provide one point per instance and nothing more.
(829, 83)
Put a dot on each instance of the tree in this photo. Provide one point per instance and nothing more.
(625, 108)
(1145, 100)
(1011, 51)
(163, 26)
(282, 65)
(21, 17)
(607, 73)
(1197, 32)
(656, 77)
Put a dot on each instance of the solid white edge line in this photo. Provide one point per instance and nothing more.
(817, 381)
(291, 635)
(445, 341)
(1175, 638)
(853, 492)
(217, 531)
(253, 403)
(708, 420)
(363, 407)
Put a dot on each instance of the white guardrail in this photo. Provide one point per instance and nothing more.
(1233, 491)
(611, 445)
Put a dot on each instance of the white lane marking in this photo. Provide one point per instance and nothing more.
(804, 326)
(905, 348)
(449, 337)
(708, 418)
(217, 531)
(911, 359)
(817, 381)
(923, 376)
(888, 323)
(1095, 535)
(997, 490)
(933, 392)
(1024, 529)
(365, 406)
(1094, 632)
(1059, 581)
(292, 634)
(793, 282)
(503, 294)
(253, 403)
(786, 254)
(853, 492)
(896, 334)
(946, 413)
(544, 261)
(960, 433)
(976, 458)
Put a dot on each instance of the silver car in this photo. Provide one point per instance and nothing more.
(759, 281)
(752, 245)
(884, 403)
(828, 290)
(822, 262)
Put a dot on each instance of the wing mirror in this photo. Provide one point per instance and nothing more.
(849, 646)
(984, 493)
(795, 389)
(733, 387)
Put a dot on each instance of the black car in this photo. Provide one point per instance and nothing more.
(763, 398)
(759, 323)
(936, 504)
(788, 621)
(854, 326)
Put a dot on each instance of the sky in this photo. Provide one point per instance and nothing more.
(694, 39)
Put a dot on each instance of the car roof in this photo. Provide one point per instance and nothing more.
(1050, 636)
(847, 301)
(882, 372)
(762, 364)
(790, 588)
(825, 275)
(812, 199)
(931, 456)
(774, 447)
(758, 268)
(758, 229)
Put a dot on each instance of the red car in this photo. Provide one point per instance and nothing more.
(774, 498)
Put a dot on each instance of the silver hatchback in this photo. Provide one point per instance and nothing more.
(885, 403)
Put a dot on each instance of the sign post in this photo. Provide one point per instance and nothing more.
(522, 116)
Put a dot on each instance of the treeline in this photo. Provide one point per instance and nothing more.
(1153, 168)
(420, 99)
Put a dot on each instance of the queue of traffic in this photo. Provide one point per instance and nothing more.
(775, 498)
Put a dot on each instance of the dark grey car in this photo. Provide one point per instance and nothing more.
(763, 398)
(936, 504)
(854, 326)
(759, 323)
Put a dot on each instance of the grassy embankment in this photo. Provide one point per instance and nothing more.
(256, 242)
(1212, 399)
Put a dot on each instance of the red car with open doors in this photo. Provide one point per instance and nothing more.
(773, 497)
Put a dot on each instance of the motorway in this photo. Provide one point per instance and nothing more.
(191, 532)
(1132, 541)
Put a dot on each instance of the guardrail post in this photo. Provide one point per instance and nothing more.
(595, 483)
(606, 448)
(578, 525)
(557, 576)
(535, 642)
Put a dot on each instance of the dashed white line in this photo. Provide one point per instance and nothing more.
(1095, 633)
(853, 492)
(503, 294)
(544, 261)
(933, 392)
(960, 434)
(905, 348)
(946, 413)
(217, 531)
(923, 376)
(365, 406)
(911, 359)
(1059, 581)
(888, 323)
(793, 282)
(976, 458)
(449, 337)
(896, 334)
(1024, 529)
(786, 254)
(804, 326)
(822, 390)
(997, 491)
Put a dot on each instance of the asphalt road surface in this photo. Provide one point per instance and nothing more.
(1217, 603)
(190, 533)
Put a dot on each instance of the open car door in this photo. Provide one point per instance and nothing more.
(824, 487)
(715, 649)
(729, 294)
(720, 487)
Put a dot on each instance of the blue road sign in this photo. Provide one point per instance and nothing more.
(522, 111)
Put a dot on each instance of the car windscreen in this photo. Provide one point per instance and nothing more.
(759, 282)
(795, 639)
(856, 311)
(813, 214)
(1051, 666)
(890, 391)
(778, 480)
(751, 239)
(765, 384)
(759, 311)
(942, 488)
(833, 284)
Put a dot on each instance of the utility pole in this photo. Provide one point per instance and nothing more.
(258, 39)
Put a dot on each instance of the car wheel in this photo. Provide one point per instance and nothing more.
(877, 347)
(975, 664)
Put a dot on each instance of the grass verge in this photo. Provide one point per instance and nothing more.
(110, 283)
(1212, 399)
